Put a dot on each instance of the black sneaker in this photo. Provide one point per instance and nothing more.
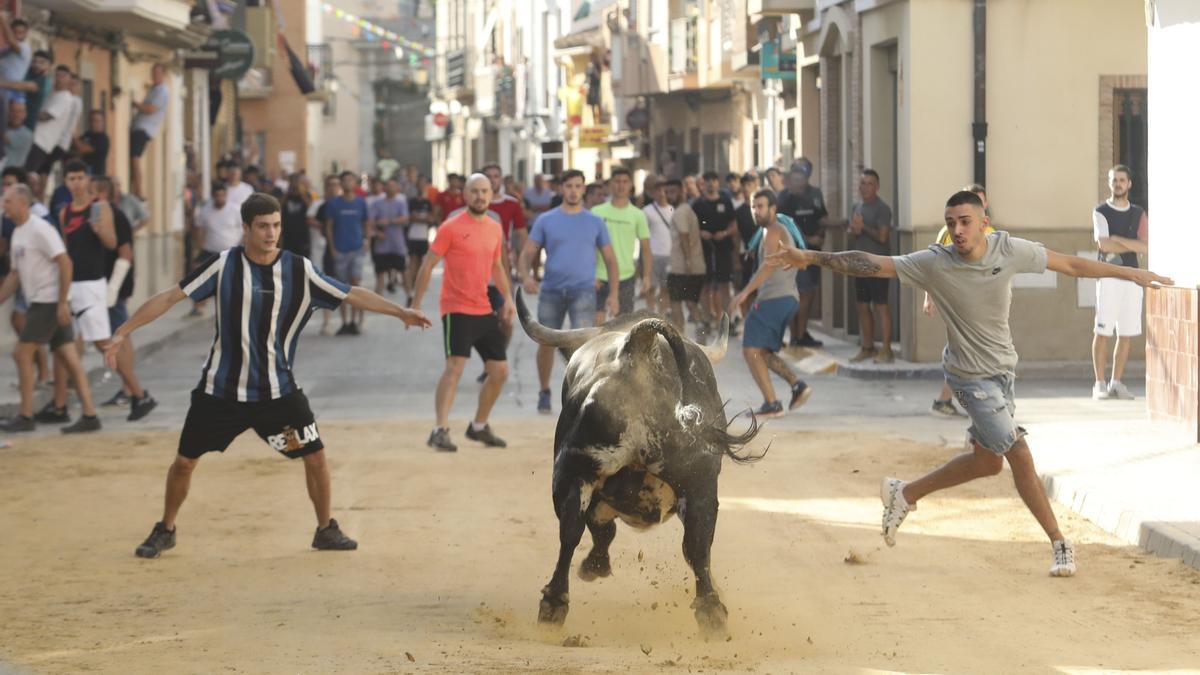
(808, 341)
(800, 395)
(140, 407)
(354, 330)
(18, 423)
(482, 378)
(544, 402)
(345, 329)
(772, 409)
(333, 539)
(485, 436)
(52, 414)
(160, 540)
(118, 400)
(391, 287)
(440, 440)
(84, 424)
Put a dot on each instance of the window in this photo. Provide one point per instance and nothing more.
(1129, 139)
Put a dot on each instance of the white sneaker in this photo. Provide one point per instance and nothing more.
(1064, 559)
(1100, 391)
(895, 507)
(1118, 390)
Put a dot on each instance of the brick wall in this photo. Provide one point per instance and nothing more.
(1173, 356)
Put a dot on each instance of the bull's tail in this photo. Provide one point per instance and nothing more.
(644, 335)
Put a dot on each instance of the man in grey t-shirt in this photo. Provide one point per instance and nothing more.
(970, 281)
(146, 123)
(870, 230)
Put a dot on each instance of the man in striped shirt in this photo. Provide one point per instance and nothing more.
(264, 298)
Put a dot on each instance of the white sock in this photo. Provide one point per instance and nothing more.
(476, 426)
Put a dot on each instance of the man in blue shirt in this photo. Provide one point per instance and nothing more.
(571, 236)
(264, 298)
(348, 229)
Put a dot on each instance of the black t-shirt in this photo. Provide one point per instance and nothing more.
(714, 216)
(124, 236)
(806, 208)
(296, 235)
(83, 244)
(97, 160)
(746, 225)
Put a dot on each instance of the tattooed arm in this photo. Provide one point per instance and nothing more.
(850, 263)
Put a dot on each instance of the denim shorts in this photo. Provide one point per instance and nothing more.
(626, 294)
(989, 403)
(555, 305)
(118, 314)
(348, 266)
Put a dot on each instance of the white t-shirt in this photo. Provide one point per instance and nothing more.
(34, 247)
(222, 227)
(73, 115)
(236, 194)
(48, 133)
(659, 220)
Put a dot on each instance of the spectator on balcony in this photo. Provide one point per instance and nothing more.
(52, 121)
(18, 138)
(33, 83)
(93, 144)
(15, 59)
(66, 142)
(146, 123)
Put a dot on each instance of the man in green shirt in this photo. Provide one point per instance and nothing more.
(628, 230)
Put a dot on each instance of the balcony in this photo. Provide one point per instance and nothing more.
(255, 84)
(779, 7)
(163, 21)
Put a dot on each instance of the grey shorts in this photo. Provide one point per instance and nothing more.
(659, 270)
(41, 326)
(348, 266)
(989, 403)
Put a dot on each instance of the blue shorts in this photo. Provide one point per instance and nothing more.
(554, 306)
(808, 279)
(118, 314)
(767, 321)
(989, 403)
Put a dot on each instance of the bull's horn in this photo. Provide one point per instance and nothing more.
(559, 339)
(716, 351)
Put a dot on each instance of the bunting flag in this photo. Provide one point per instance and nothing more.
(388, 39)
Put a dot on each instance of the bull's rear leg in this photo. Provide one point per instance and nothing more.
(597, 563)
(555, 598)
(699, 525)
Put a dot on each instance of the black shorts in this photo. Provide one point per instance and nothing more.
(388, 261)
(871, 290)
(42, 327)
(286, 424)
(625, 295)
(137, 142)
(462, 332)
(418, 247)
(685, 287)
(495, 298)
(38, 160)
(718, 261)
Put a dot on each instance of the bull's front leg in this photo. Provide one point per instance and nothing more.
(570, 505)
(699, 525)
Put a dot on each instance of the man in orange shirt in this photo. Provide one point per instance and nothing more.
(472, 244)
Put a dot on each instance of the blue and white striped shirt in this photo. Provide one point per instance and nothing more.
(261, 310)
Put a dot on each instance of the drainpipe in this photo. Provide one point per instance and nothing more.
(979, 127)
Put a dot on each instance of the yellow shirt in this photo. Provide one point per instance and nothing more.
(944, 239)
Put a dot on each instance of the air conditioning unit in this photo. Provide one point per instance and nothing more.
(260, 26)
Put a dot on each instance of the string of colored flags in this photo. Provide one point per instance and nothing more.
(387, 39)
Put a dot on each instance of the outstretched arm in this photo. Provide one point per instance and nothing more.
(1075, 266)
(149, 311)
(850, 263)
(368, 301)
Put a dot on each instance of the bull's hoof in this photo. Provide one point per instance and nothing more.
(593, 567)
(553, 609)
(711, 616)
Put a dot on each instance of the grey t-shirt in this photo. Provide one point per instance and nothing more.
(875, 215)
(150, 122)
(974, 299)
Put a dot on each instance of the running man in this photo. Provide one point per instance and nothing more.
(629, 233)
(772, 312)
(265, 296)
(572, 237)
(971, 284)
(472, 245)
(1121, 232)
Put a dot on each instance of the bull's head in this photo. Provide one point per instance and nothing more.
(570, 340)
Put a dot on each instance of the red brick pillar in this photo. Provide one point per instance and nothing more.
(1173, 356)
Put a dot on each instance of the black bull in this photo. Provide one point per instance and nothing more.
(641, 436)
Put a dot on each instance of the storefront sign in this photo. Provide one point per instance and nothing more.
(776, 64)
(236, 54)
(592, 137)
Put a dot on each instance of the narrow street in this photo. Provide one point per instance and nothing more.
(454, 548)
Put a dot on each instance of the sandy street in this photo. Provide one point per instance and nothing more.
(454, 549)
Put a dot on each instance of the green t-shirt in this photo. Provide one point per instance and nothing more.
(626, 226)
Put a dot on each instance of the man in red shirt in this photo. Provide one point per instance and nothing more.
(450, 199)
(472, 244)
